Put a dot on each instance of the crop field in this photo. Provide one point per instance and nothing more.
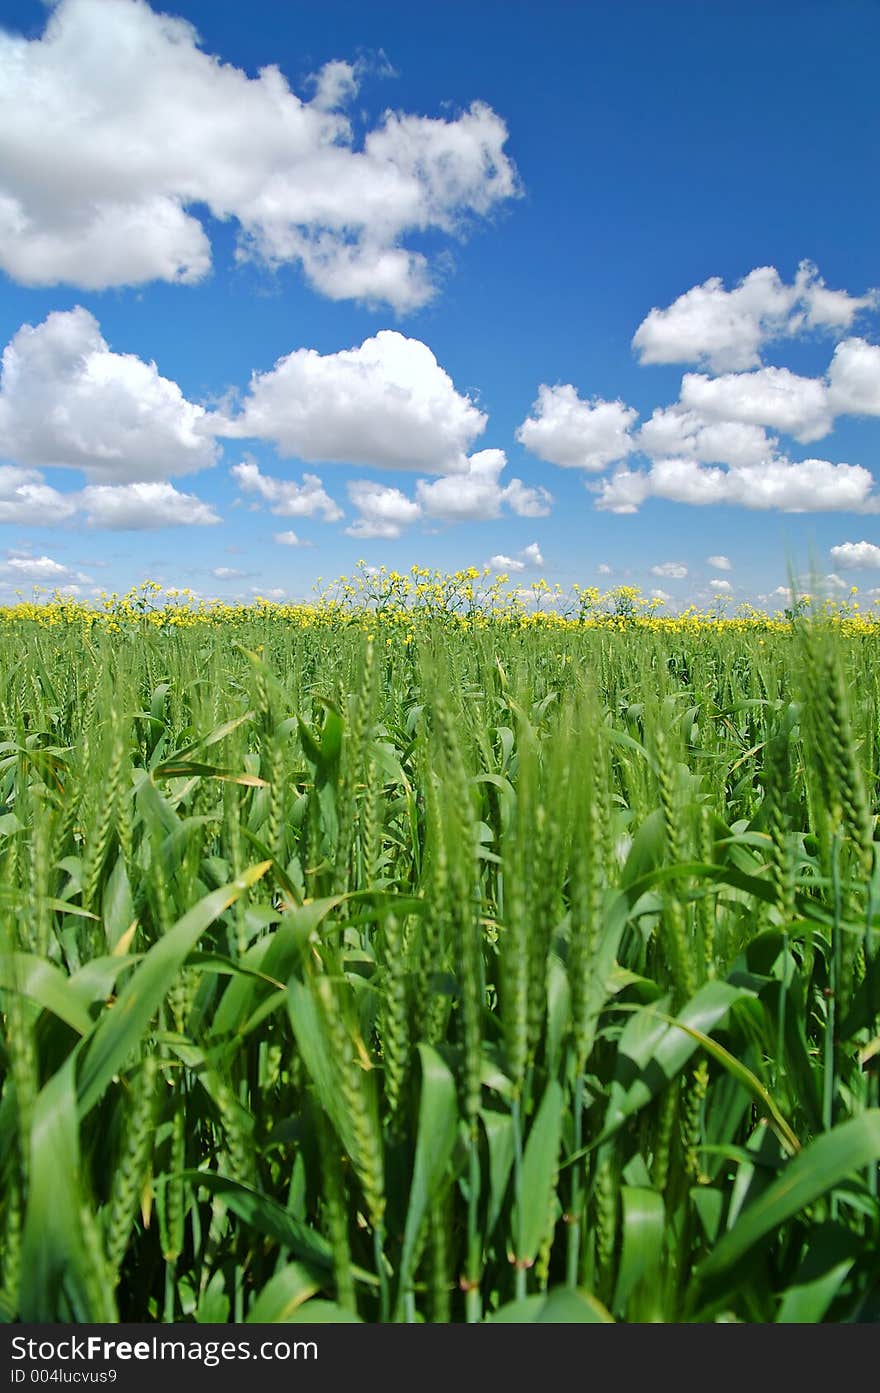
(424, 956)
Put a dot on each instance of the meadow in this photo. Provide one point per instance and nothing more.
(425, 955)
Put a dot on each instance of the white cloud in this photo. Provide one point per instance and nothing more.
(670, 570)
(720, 563)
(805, 588)
(143, 506)
(40, 570)
(721, 587)
(276, 592)
(662, 595)
(384, 512)
(115, 126)
(524, 501)
(387, 404)
(479, 494)
(34, 567)
(809, 486)
(603, 569)
(723, 420)
(674, 431)
(528, 557)
(26, 499)
(627, 489)
(500, 562)
(227, 573)
(856, 556)
(66, 399)
(772, 397)
(288, 499)
(577, 434)
(288, 539)
(725, 329)
(828, 309)
(335, 84)
(854, 378)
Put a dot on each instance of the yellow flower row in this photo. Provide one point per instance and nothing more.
(400, 604)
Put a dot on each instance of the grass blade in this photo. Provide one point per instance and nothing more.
(119, 1029)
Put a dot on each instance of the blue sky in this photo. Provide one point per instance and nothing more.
(582, 291)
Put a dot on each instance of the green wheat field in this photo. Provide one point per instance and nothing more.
(373, 965)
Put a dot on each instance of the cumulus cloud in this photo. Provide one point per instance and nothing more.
(684, 434)
(383, 511)
(721, 587)
(387, 404)
(825, 585)
(143, 506)
(856, 556)
(476, 496)
(577, 434)
(720, 563)
(288, 539)
(733, 418)
(479, 494)
(726, 329)
(670, 570)
(26, 498)
(287, 498)
(724, 419)
(502, 563)
(66, 399)
(337, 83)
(529, 556)
(524, 501)
(854, 379)
(116, 128)
(227, 573)
(812, 485)
(773, 397)
(41, 570)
